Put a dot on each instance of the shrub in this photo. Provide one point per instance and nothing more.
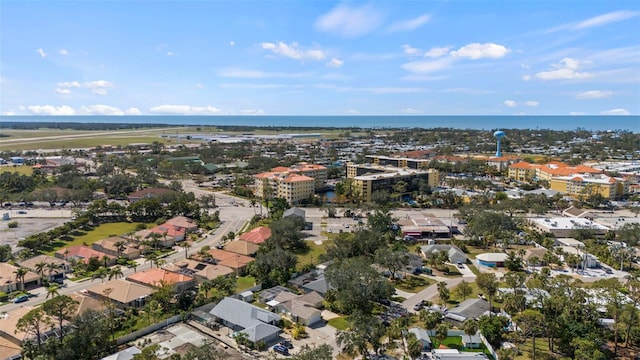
(12, 225)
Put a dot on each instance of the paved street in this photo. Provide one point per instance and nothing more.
(432, 291)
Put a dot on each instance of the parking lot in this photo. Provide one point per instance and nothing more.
(33, 221)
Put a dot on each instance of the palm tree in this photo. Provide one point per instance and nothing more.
(185, 245)
(20, 274)
(40, 269)
(470, 326)
(115, 272)
(253, 203)
(120, 246)
(152, 258)
(206, 286)
(99, 274)
(442, 331)
(52, 291)
(51, 268)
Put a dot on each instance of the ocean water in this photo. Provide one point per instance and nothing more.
(603, 123)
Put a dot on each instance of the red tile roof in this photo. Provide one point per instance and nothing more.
(157, 277)
(84, 252)
(257, 235)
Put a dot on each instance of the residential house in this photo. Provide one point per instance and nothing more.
(471, 341)
(117, 246)
(84, 253)
(242, 247)
(8, 349)
(8, 327)
(267, 295)
(62, 266)
(294, 211)
(257, 235)
(201, 272)
(302, 309)
(454, 354)
(183, 222)
(311, 281)
(160, 277)
(468, 309)
(423, 338)
(126, 354)
(534, 256)
(257, 323)
(166, 236)
(235, 261)
(454, 253)
(121, 292)
(9, 282)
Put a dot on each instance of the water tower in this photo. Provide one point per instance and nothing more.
(499, 135)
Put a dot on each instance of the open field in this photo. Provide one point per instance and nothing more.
(23, 169)
(101, 232)
(82, 142)
(313, 254)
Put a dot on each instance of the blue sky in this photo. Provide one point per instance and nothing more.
(320, 57)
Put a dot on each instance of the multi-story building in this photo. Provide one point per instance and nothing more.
(523, 171)
(293, 187)
(590, 184)
(317, 172)
(369, 178)
(399, 162)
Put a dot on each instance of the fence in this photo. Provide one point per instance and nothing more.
(148, 330)
(489, 347)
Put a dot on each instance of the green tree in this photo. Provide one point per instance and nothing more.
(470, 326)
(20, 273)
(492, 327)
(442, 331)
(431, 319)
(357, 285)
(464, 289)
(531, 323)
(394, 261)
(414, 347)
(488, 283)
(35, 323)
(364, 331)
(443, 292)
(61, 309)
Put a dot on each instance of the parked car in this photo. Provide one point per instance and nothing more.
(281, 349)
(417, 307)
(287, 344)
(460, 265)
(21, 298)
(22, 212)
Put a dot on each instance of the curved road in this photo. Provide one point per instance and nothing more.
(233, 218)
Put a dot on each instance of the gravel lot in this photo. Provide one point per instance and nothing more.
(34, 221)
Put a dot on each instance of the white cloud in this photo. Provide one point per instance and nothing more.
(510, 103)
(51, 110)
(63, 52)
(577, 113)
(615, 112)
(382, 90)
(349, 22)
(41, 52)
(411, 111)
(199, 86)
(352, 112)
(100, 110)
(420, 78)
(293, 51)
(132, 111)
(605, 19)
(478, 51)
(62, 91)
(532, 103)
(69, 84)
(232, 43)
(7, 113)
(98, 84)
(170, 53)
(526, 77)
(252, 112)
(566, 69)
(437, 52)
(99, 91)
(594, 94)
(185, 110)
(410, 24)
(428, 66)
(410, 50)
(335, 63)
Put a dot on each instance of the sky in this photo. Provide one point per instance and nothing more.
(286, 57)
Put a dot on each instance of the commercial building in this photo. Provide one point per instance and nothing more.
(562, 227)
(369, 178)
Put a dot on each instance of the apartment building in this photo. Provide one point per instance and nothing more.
(585, 184)
(290, 186)
(524, 171)
(317, 172)
(369, 178)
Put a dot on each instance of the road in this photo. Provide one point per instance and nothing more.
(432, 291)
(233, 219)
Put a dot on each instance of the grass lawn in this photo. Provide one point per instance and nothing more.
(413, 284)
(103, 231)
(339, 323)
(472, 251)
(542, 350)
(84, 142)
(244, 283)
(453, 271)
(313, 254)
(22, 169)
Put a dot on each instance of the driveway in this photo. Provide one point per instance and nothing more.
(432, 291)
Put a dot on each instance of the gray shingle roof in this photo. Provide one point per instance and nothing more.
(471, 308)
(254, 320)
(294, 211)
